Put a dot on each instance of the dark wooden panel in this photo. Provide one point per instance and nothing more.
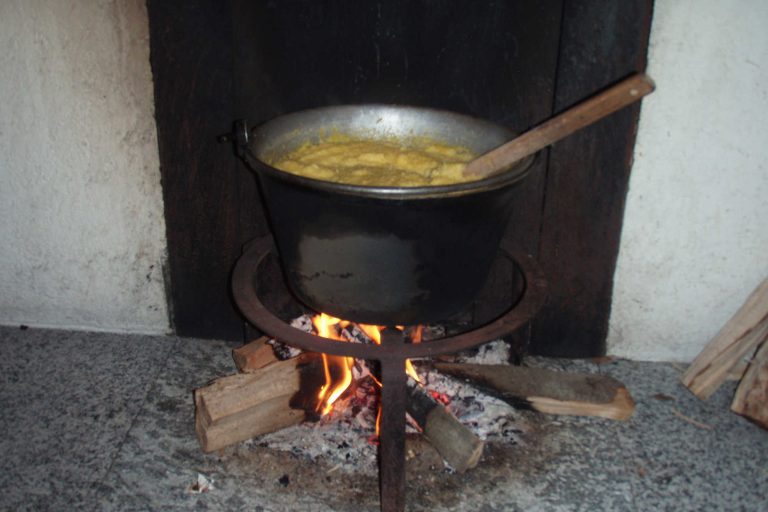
(217, 61)
(492, 59)
(192, 63)
(588, 175)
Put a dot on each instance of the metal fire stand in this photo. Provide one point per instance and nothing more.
(391, 354)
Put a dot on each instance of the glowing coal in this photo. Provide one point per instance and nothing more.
(342, 437)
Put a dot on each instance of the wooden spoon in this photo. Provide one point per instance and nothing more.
(562, 125)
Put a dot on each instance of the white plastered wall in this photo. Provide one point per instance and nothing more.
(81, 216)
(695, 236)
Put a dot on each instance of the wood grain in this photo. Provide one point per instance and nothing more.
(254, 355)
(588, 177)
(547, 391)
(737, 338)
(268, 416)
(751, 399)
(456, 443)
(192, 61)
(601, 105)
(241, 406)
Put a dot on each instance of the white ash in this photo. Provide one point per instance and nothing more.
(350, 333)
(345, 438)
(494, 352)
(489, 418)
(283, 351)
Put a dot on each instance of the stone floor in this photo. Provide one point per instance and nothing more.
(94, 421)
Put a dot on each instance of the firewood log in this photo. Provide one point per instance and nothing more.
(269, 416)
(245, 405)
(737, 339)
(457, 444)
(751, 399)
(254, 355)
(548, 391)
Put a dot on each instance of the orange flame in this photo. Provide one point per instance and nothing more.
(374, 332)
(330, 392)
(328, 327)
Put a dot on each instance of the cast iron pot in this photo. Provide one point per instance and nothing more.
(382, 255)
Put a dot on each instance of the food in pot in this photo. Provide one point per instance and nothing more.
(378, 163)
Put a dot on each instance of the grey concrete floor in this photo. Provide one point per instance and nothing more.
(94, 421)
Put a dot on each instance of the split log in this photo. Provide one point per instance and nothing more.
(246, 405)
(457, 444)
(551, 392)
(269, 416)
(254, 355)
(737, 339)
(751, 399)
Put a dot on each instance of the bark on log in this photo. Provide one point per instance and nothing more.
(548, 391)
(737, 339)
(457, 444)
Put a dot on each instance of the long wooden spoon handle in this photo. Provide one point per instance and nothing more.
(562, 125)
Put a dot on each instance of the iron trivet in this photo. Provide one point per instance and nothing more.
(391, 354)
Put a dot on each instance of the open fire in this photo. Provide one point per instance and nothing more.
(338, 370)
(347, 406)
(341, 399)
(261, 399)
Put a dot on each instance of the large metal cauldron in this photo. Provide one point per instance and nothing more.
(383, 255)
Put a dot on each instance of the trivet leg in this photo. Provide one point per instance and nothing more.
(392, 435)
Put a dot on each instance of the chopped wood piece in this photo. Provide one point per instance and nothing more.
(739, 337)
(254, 355)
(245, 405)
(578, 394)
(457, 444)
(269, 416)
(738, 371)
(751, 399)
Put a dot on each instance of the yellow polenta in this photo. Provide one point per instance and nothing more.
(383, 163)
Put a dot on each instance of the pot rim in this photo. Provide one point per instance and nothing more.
(514, 174)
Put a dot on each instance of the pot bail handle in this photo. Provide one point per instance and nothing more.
(240, 136)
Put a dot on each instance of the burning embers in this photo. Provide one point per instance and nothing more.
(279, 388)
(345, 404)
(339, 370)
